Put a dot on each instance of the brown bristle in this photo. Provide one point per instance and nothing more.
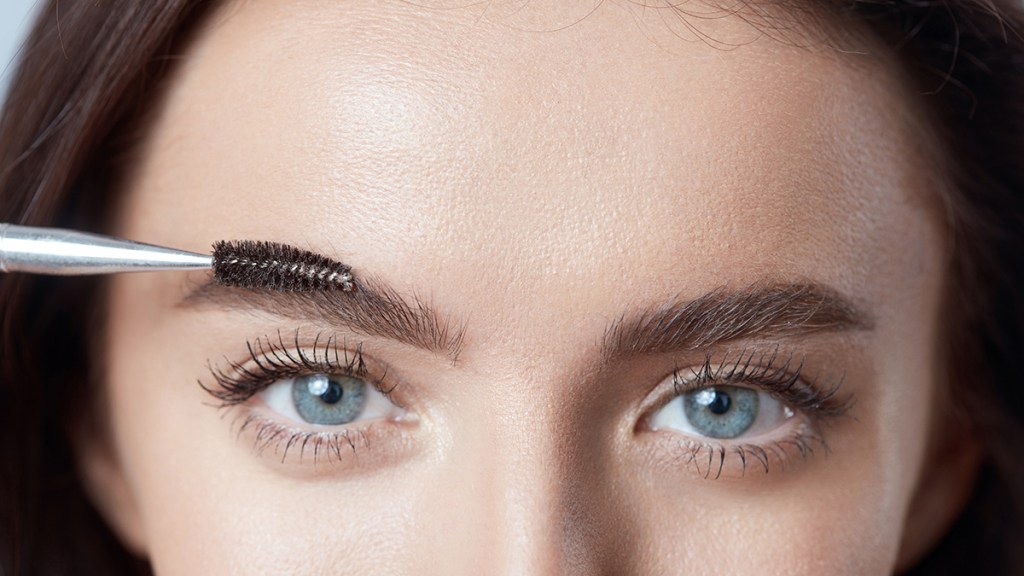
(273, 266)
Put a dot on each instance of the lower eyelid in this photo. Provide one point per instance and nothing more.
(279, 438)
(285, 444)
(714, 459)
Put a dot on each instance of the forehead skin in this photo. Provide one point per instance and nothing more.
(533, 183)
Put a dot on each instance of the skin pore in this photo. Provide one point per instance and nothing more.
(544, 190)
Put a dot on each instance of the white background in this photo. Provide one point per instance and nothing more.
(15, 18)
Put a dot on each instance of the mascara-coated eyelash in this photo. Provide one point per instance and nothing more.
(271, 360)
(820, 397)
(276, 362)
(797, 433)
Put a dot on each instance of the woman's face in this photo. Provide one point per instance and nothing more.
(649, 299)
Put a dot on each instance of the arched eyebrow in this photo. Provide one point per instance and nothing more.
(722, 316)
(373, 308)
(717, 317)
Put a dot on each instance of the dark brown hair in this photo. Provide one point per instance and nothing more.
(89, 73)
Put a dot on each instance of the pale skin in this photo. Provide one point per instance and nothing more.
(531, 188)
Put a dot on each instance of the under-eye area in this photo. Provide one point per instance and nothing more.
(756, 410)
(306, 400)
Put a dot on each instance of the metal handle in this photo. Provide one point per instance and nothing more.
(68, 252)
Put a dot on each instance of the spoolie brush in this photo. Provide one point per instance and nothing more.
(251, 264)
(245, 263)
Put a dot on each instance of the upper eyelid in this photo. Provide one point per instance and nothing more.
(280, 357)
(787, 384)
(356, 364)
(269, 361)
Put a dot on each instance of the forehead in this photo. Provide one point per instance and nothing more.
(544, 149)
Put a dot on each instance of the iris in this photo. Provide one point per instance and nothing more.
(329, 400)
(721, 411)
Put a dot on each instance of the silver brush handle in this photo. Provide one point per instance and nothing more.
(67, 252)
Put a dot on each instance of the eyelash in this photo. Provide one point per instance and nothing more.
(270, 361)
(818, 399)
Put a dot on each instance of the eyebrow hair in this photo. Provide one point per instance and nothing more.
(722, 316)
(373, 308)
(718, 317)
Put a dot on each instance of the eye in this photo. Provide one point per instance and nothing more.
(328, 400)
(723, 412)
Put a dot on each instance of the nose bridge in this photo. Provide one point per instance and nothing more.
(543, 476)
(527, 462)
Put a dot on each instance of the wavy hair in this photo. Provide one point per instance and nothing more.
(77, 108)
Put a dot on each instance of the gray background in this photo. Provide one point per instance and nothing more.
(15, 17)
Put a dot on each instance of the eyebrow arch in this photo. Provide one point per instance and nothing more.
(373, 309)
(723, 315)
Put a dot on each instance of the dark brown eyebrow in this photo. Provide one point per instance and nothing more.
(722, 316)
(373, 309)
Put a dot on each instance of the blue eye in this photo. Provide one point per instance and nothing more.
(723, 412)
(328, 400)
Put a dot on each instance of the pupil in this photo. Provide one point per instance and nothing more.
(720, 403)
(329, 392)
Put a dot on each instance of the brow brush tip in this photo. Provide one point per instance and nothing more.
(274, 266)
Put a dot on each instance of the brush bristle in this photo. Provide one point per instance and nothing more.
(269, 265)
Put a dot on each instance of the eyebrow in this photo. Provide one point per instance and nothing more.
(718, 317)
(722, 316)
(373, 308)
